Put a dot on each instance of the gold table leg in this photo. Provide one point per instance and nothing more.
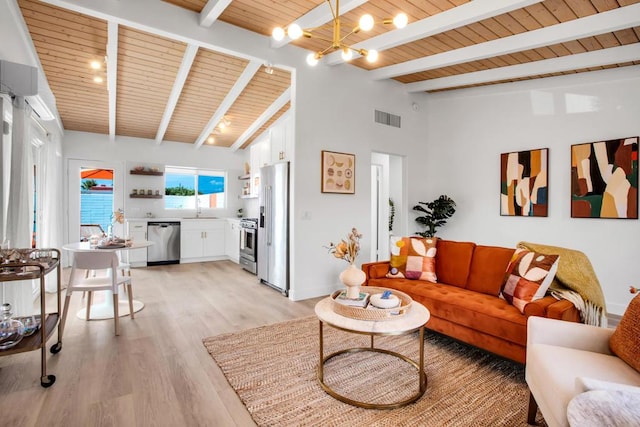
(422, 377)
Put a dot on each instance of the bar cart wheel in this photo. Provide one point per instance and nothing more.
(47, 381)
(55, 349)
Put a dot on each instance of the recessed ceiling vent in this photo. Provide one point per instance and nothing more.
(387, 119)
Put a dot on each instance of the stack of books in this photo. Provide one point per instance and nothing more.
(361, 301)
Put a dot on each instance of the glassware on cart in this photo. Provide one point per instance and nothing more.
(30, 325)
(11, 330)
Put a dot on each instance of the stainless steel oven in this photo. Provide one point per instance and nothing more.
(249, 244)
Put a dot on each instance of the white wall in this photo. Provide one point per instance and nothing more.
(469, 129)
(335, 111)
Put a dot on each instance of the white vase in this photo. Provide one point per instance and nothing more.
(352, 278)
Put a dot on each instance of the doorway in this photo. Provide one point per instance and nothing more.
(388, 200)
(95, 191)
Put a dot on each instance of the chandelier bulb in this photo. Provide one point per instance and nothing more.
(294, 31)
(347, 54)
(401, 20)
(278, 33)
(366, 22)
(312, 59)
(372, 55)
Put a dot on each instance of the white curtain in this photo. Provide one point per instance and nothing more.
(20, 208)
(49, 190)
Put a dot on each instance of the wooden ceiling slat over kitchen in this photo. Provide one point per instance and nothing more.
(210, 80)
(260, 93)
(267, 125)
(66, 43)
(143, 93)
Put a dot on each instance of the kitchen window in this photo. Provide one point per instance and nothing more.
(197, 189)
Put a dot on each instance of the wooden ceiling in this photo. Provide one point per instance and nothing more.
(169, 90)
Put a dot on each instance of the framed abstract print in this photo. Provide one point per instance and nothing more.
(524, 187)
(604, 179)
(338, 172)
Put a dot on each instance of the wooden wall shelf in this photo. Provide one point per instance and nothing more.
(145, 196)
(145, 172)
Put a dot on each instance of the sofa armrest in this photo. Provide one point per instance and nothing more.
(541, 330)
(375, 270)
(553, 308)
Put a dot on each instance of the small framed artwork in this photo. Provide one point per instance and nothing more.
(524, 186)
(338, 172)
(604, 179)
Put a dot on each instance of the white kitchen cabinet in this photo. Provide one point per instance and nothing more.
(260, 156)
(202, 240)
(281, 142)
(232, 240)
(137, 231)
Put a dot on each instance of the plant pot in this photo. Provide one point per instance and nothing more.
(352, 278)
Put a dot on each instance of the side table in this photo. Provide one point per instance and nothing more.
(414, 320)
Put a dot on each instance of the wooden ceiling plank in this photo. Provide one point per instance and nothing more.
(277, 104)
(449, 19)
(565, 63)
(236, 90)
(613, 20)
(181, 77)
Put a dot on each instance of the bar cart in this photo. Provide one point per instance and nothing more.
(40, 263)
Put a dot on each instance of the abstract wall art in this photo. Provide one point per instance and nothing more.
(604, 179)
(338, 172)
(524, 188)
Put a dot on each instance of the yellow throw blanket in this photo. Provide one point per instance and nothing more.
(575, 281)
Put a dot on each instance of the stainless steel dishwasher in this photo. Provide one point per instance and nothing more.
(166, 243)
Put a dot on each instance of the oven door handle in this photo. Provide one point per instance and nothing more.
(243, 235)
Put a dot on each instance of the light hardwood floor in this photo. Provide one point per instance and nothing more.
(157, 372)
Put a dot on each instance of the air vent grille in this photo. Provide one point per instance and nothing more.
(387, 119)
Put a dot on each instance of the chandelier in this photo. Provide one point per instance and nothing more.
(366, 22)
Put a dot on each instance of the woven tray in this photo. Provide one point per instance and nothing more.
(373, 313)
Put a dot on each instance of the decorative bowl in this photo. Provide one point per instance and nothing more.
(138, 168)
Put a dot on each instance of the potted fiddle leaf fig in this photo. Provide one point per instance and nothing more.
(435, 213)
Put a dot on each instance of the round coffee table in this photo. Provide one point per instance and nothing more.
(414, 320)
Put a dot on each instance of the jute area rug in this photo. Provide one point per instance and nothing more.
(273, 369)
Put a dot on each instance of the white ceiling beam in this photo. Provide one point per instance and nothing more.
(450, 19)
(318, 16)
(112, 75)
(212, 10)
(244, 79)
(178, 84)
(605, 22)
(177, 23)
(598, 58)
(264, 117)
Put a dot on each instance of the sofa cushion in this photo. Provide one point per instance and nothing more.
(528, 277)
(625, 341)
(413, 258)
(453, 261)
(480, 312)
(488, 265)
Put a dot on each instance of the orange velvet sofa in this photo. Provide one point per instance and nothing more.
(465, 303)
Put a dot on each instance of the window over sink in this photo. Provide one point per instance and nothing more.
(195, 189)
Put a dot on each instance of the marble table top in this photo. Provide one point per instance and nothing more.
(416, 316)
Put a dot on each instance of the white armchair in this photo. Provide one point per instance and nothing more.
(561, 358)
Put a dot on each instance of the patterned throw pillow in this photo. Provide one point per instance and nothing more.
(413, 258)
(625, 341)
(529, 275)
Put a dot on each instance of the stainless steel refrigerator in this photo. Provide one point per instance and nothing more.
(273, 227)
